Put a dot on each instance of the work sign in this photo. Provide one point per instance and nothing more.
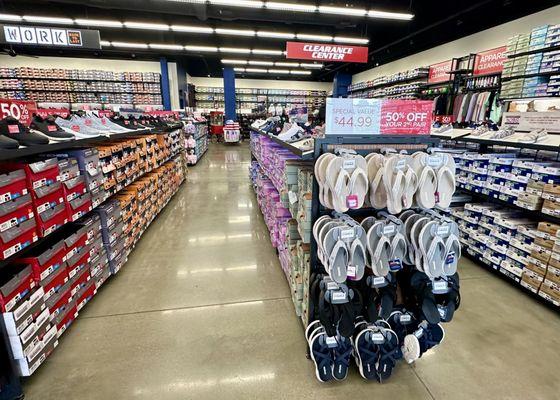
(326, 52)
(49, 37)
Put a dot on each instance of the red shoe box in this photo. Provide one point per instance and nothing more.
(51, 220)
(17, 238)
(54, 282)
(92, 225)
(65, 318)
(42, 350)
(16, 286)
(79, 207)
(74, 188)
(76, 241)
(58, 302)
(79, 281)
(25, 312)
(45, 259)
(38, 173)
(14, 212)
(69, 169)
(47, 197)
(22, 345)
(12, 185)
(78, 262)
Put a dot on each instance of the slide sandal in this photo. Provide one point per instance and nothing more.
(433, 250)
(321, 251)
(321, 355)
(342, 354)
(427, 182)
(446, 182)
(388, 354)
(377, 192)
(366, 355)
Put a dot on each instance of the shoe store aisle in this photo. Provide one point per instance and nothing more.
(202, 310)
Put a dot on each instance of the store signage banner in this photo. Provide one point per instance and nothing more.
(49, 37)
(326, 52)
(373, 117)
(490, 61)
(440, 72)
(530, 121)
(46, 112)
(22, 110)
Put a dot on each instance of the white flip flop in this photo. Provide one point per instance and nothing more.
(427, 182)
(377, 192)
(433, 250)
(379, 247)
(394, 182)
(446, 181)
(338, 181)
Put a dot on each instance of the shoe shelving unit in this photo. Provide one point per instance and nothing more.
(478, 194)
(201, 138)
(67, 86)
(388, 86)
(10, 382)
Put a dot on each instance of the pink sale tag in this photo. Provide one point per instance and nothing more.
(13, 128)
(352, 201)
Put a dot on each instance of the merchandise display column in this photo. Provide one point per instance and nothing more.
(340, 84)
(165, 92)
(229, 94)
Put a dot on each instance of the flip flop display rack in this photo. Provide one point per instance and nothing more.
(196, 140)
(373, 269)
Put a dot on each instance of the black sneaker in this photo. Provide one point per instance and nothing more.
(8, 144)
(13, 129)
(49, 128)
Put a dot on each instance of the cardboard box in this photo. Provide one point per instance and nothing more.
(25, 312)
(12, 185)
(540, 255)
(45, 259)
(16, 211)
(536, 268)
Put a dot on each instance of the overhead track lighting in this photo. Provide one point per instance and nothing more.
(99, 22)
(266, 51)
(235, 50)
(390, 15)
(194, 29)
(235, 32)
(299, 72)
(208, 49)
(238, 3)
(10, 17)
(258, 70)
(226, 61)
(278, 35)
(269, 63)
(341, 39)
(166, 46)
(146, 25)
(343, 11)
(48, 20)
(317, 38)
(129, 45)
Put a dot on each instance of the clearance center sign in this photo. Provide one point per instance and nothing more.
(326, 52)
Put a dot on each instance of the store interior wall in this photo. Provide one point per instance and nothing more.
(96, 63)
(262, 84)
(485, 40)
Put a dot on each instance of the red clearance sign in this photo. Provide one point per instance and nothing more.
(21, 110)
(490, 61)
(326, 52)
(46, 112)
(440, 72)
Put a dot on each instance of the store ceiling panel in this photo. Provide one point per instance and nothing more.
(200, 33)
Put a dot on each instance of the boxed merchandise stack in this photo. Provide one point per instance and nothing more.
(112, 231)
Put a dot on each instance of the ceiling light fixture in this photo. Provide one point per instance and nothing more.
(239, 69)
(48, 20)
(235, 50)
(129, 45)
(104, 43)
(286, 64)
(310, 65)
(208, 49)
(278, 35)
(235, 32)
(193, 29)
(299, 72)
(266, 51)
(146, 25)
(359, 12)
(278, 71)
(268, 63)
(317, 38)
(274, 5)
(166, 46)
(98, 22)
(257, 70)
(10, 17)
(341, 39)
(390, 15)
(238, 3)
(227, 61)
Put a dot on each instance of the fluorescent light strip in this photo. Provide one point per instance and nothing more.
(309, 65)
(239, 69)
(286, 64)
(48, 20)
(274, 5)
(236, 50)
(130, 45)
(166, 46)
(278, 71)
(105, 43)
(235, 32)
(99, 22)
(317, 38)
(299, 72)
(227, 61)
(341, 39)
(208, 49)
(238, 3)
(277, 35)
(343, 11)
(269, 63)
(266, 51)
(146, 25)
(257, 70)
(390, 15)
(193, 29)
(10, 17)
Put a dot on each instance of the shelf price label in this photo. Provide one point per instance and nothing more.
(353, 116)
(19, 109)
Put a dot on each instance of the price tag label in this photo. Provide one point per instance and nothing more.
(347, 234)
(351, 272)
(439, 286)
(331, 341)
(339, 296)
(352, 116)
(405, 319)
(352, 201)
(434, 161)
(389, 229)
(292, 197)
(378, 280)
(443, 230)
(377, 338)
(349, 163)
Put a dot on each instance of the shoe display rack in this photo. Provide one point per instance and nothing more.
(511, 224)
(196, 141)
(80, 211)
(80, 86)
(402, 85)
(213, 98)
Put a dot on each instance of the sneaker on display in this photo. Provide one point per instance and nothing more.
(49, 128)
(74, 127)
(13, 129)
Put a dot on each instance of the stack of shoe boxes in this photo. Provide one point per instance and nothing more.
(552, 36)
(26, 319)
(112, 229)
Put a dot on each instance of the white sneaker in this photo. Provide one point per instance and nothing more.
(290, 133)
(534, 136)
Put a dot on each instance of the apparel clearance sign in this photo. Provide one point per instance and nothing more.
(326, 52)
(490, 61)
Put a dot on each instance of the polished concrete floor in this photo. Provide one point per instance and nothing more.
(202, 311)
